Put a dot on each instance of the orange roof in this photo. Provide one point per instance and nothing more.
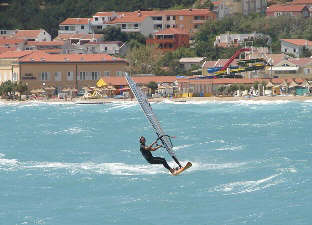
(76, 21)
(171, 31)
(45, 43)
(300, 61)
(304, 2)
(129, 18)
(39, 56)
(15, 54)
(5, 49)
(300, 42)
(27, 33)
(285, 8)
(11, 41)
(190, 12)
(139, 79)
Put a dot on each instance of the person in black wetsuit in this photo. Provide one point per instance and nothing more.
(146, 152)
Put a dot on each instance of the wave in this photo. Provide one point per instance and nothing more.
(241, 187)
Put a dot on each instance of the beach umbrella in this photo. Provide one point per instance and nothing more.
(293, 84)
(269, 85)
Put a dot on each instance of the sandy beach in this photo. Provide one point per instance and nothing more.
(190, 99)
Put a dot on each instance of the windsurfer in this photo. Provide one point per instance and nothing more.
(146, 152)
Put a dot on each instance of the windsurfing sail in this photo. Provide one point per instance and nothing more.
(147, 109)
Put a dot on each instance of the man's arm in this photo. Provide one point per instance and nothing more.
(150, 148)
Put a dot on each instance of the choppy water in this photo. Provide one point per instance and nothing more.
(80, 164)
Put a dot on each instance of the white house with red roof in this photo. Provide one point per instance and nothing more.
(101, 19)
(287, 10)
(295, 46)
(75, 26)
(107, 47)
(29, 35)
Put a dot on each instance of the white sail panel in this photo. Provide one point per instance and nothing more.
(147, 109)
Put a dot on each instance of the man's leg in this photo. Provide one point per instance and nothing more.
(159, 160)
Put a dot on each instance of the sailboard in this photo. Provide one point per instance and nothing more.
(147, 109)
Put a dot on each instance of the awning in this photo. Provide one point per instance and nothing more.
(283, 68)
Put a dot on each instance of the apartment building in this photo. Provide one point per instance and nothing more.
(245, 7)
(170, 39)
(75, 26)
(148, 22)
(38, 69)
(295, 46)
(287, 10)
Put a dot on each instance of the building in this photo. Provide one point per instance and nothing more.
(287, 10)
(230, 40)
(79, 39)
(9, 68)
(292, 67)
(148, 22)
(245, 7)
(170, 39)
(52, 47)
(190, 63)
(107, 47)
(39, 69)
(28, 35)
(295, 46)
(75, 26)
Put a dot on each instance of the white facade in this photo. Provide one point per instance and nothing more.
(75, 29)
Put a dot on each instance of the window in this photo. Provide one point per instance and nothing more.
(44, 76)
(119, 73)
(99, 27)
(82, 27)
(123, 26)
(106, 73)
(14, 76)
(136, 26)
(294, 50)
(168, 26)
(58, 76)
(105, 49)
(168, 17)
(70, 75)
(82, 75)
(96, 18)
(173, 17)
(197, 26)
(66, 27)
(95, 75)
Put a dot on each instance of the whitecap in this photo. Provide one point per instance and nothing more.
(241, 187)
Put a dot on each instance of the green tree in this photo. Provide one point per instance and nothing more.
(153, 86)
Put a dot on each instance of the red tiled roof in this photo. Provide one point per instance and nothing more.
(300, 61)
(300, 42)
(11, 41)
(15, 54)
(190, 12)
(5, 49)
(304, 2)
(139, 79)
(76, 21)
(44, 57)
(171, 31)
(27, 34)
(129, 18)
(45, 43)
(285, 8)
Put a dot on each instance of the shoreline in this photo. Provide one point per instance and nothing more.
(184, 100)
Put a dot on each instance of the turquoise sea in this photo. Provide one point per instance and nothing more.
(68, 164)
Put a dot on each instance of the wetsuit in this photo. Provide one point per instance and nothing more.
(153, 160)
